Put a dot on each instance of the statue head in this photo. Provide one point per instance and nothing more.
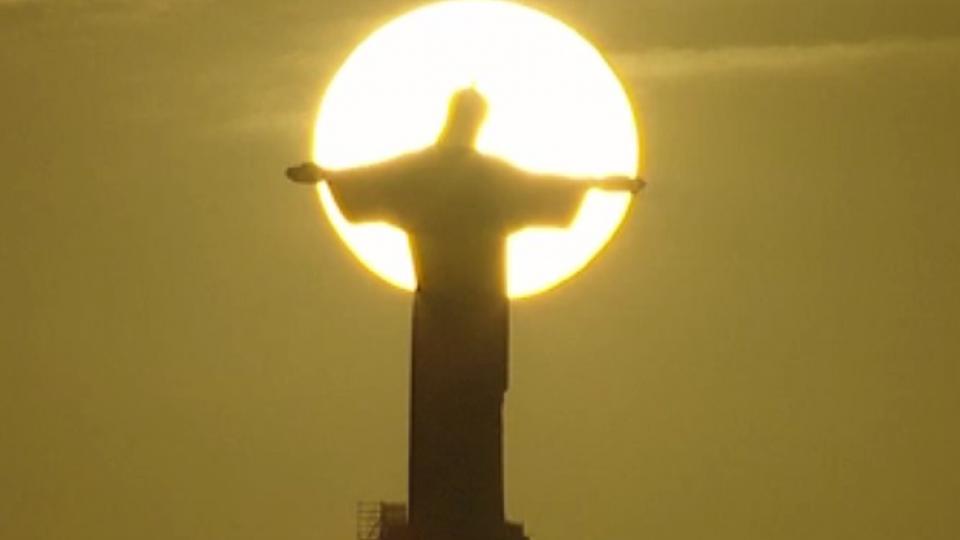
(465, 117)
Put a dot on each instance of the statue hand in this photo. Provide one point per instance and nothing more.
(307, 173)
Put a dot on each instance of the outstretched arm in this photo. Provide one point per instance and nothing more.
(552, 200)
(609, 183)
(311, 173)
(369, 193)
(618, 183)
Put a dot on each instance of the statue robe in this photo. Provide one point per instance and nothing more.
(457, 207)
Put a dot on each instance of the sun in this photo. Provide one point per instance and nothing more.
(555, 106)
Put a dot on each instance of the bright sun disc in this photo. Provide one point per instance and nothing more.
(555, 107)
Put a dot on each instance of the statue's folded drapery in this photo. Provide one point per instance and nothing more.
(457, 207)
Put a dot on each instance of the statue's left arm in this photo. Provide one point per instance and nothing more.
(617, 183)
(553, 200)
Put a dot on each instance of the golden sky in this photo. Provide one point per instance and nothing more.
(769, 349)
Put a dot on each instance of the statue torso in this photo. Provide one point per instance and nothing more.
(458, 215)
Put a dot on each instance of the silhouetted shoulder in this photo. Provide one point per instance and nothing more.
(377, 192)
(501, 169)
(390, 169)
(534, 199)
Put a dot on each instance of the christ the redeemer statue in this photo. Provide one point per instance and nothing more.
(458, 207)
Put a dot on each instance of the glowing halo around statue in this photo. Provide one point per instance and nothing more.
(555, 106)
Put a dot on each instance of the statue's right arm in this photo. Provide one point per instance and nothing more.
(307, 173)
(364, 193)
(311, 173)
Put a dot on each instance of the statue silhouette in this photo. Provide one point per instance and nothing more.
(458, 207)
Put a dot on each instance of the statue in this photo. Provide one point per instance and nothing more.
(458, 207)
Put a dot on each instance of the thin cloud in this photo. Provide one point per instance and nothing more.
(670, 64)
(98, 10)
(679, 63)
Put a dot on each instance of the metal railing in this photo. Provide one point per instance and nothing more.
(381, 521)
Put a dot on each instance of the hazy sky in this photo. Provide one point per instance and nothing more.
(768, 350)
